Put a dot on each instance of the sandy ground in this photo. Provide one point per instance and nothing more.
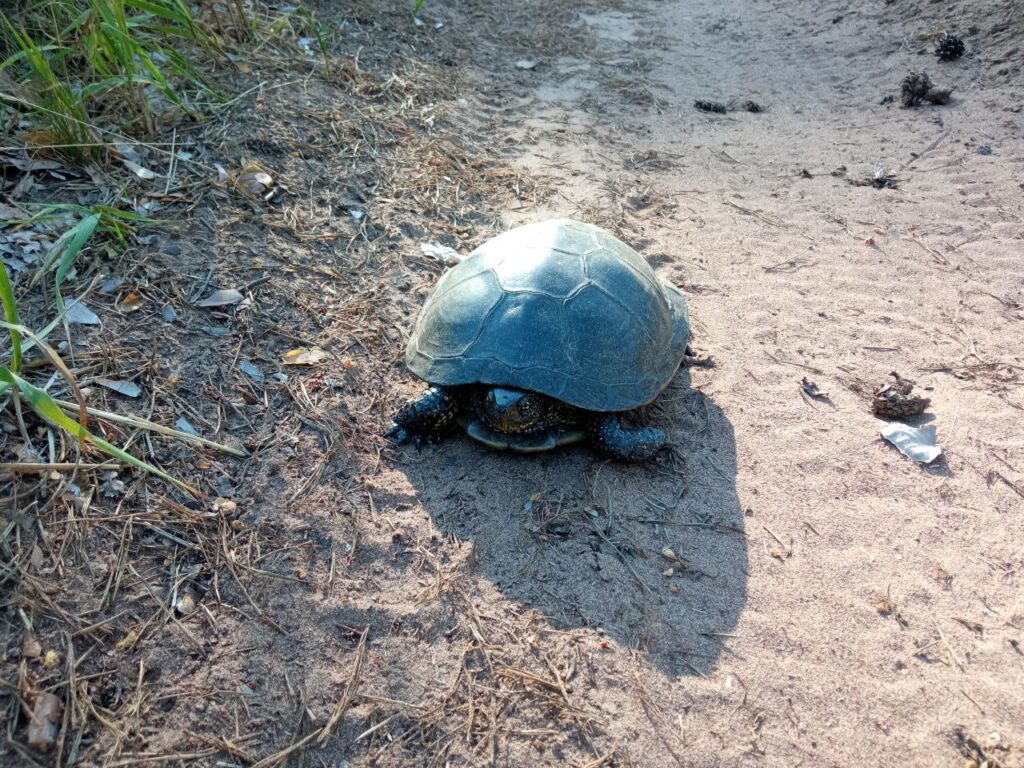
(871, 612)
(832, 603)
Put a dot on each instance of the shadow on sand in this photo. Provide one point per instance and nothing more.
(584, 540)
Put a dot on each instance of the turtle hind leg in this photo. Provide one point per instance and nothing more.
(610, 438)
(424, 418)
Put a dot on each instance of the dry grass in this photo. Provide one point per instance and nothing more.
(109, 578)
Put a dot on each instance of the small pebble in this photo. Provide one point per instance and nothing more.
(225, 506)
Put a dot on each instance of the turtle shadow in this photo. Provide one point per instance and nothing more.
(651, 557)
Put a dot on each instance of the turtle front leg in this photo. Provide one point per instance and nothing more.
(610, 438)
(424, 418)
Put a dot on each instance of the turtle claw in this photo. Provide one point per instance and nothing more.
(399, 435)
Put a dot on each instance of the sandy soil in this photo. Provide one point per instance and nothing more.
(832, 603)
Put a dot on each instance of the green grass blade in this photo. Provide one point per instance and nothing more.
(47, 409)
(11, 315)
(65, 251)
(57, 362)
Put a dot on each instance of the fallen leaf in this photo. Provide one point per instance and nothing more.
(10, 213)
(110, 285)
(80, 314)
(304, 356)
(31, 165)
(224, 298)
(130, 303)
(36, 558)
(183, 425)
(447, 256)
(113, 486)
(255, 179)
(126, 388)
(250, 370)
(42, 727)
(138, 170)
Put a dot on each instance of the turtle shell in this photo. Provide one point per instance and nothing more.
(557, 307)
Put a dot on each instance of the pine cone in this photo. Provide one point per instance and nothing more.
(895, 399)
(949, 47)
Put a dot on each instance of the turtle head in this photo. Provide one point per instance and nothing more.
(514, 411)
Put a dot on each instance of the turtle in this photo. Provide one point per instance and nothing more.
(544, 336)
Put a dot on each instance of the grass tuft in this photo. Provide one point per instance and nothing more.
(79, 64)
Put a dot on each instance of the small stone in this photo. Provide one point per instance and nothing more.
(674, 589)
(669, 573)
(30, 648)
(225, 506)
